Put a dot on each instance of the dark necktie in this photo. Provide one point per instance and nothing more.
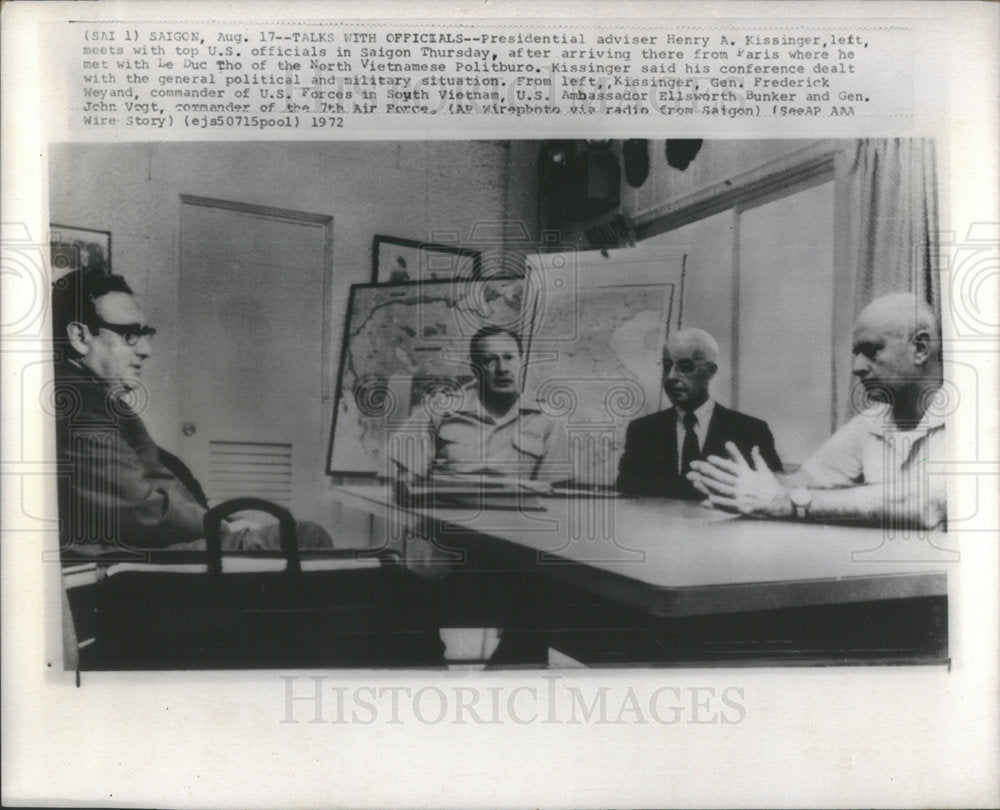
(689, 452)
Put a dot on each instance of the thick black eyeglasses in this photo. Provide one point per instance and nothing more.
(131, 333)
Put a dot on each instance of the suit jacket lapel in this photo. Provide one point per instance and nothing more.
(715, 439)
(670, 450)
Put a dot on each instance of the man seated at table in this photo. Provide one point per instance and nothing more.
(120, 489)
(876, 466)
(660, 448)
(490, 430)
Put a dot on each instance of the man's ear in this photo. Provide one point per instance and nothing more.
(79, 336)
(712, 368)
(922, 346)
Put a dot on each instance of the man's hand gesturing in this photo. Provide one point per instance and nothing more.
(732, 485)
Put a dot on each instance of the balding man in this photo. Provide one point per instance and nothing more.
(660, 448)
(875, 467)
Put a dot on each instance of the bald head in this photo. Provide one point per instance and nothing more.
(897, 349)
(689, 363)
(900, 315)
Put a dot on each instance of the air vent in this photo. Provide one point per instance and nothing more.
(260, 469)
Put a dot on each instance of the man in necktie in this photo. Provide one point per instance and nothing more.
(660, 448)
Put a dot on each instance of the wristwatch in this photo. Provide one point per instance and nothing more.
(801, 501)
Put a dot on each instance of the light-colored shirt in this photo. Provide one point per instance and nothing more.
(703, 413)
(871, 449)
(464, 438)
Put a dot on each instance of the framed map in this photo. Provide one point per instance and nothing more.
(403, 342)
(598, 328)
(592, 343)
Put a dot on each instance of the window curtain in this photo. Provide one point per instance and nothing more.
(888, 234)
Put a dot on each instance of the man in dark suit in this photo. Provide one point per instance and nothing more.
(120, 490)
(659, 448)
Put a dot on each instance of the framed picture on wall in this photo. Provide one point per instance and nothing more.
(397, 260)
(405, 344)
(73, 248)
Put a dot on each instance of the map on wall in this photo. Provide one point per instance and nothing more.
(402, 344)
(594, 327)
(598, 329)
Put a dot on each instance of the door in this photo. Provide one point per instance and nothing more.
(253, 297)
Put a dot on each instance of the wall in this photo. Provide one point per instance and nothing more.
(785, 324)
(760, 279)
(709, 287)
(406, 190)
(716, 162)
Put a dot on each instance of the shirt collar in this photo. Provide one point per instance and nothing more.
(878, 421)
(472, 405)
(74, 363)
(75, 367)
(703, 413)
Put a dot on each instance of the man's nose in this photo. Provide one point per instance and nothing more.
(144, 347)
(671, 373)
(860, 365)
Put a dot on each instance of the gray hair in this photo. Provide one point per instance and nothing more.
(704, 344)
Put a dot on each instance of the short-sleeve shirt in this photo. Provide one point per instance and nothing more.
(871, 449)
(464, 438)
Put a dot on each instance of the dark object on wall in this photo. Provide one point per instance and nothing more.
(681, 151)
(636, 154)
(616, 232)
(74, 248)
(579, 179)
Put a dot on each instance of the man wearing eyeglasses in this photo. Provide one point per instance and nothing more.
(660, 448)
(118, 488)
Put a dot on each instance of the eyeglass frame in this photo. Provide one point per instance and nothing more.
(130, 333)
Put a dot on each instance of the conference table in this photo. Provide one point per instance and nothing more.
(620, 580)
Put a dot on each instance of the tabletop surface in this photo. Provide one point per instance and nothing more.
(672, 549)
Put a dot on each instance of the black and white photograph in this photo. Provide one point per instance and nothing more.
(516, 405)
(723, 444)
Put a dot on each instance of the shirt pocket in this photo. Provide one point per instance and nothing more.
(530, 444)
(457, 441)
